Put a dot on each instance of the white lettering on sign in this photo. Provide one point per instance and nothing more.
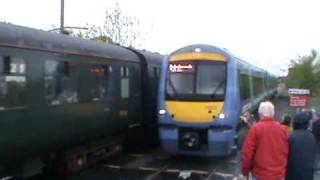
(295, 91)
(298, 101)
(176, 68)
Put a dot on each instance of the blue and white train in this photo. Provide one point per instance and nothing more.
(202, 93)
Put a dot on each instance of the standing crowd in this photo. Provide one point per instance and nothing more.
(276, 151)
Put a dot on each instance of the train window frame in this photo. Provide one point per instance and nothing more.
(13, 85)
(59, 85)
(124, 82)
(258, 86)
(101, 91)
(246, 86)
(194, 72)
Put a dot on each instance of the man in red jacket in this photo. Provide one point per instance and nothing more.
(265, 151)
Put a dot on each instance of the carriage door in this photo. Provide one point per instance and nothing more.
(130, 90)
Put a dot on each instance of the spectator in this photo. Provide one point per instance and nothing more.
(316, 128)
(286, 122)
(316, 133)
(246, 122)
(302, 148)
(265, 151)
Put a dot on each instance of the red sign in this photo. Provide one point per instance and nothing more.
(298, 101)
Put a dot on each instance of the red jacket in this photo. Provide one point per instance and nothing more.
(265, 150)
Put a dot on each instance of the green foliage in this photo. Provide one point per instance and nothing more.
(301, 74)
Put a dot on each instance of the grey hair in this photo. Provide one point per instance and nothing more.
(266, 109)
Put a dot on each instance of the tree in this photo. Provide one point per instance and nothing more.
(301, 74)
(118, 28)
(121, 28)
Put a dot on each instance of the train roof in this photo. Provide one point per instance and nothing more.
(202, 47)
(245, 65)
(213, 49)
(28, 38)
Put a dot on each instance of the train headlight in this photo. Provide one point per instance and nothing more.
(162, 111)
(221, 116)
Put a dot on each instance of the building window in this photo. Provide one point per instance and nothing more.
(12, 82)
(60, 83)
(125, 82)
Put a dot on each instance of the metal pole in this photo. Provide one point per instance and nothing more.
(62, 17)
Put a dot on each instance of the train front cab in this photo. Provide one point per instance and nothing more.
(193, 123)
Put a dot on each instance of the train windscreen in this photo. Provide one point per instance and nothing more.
(196, 81)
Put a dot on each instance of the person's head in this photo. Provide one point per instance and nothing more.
(286, 120)
(303, 110)
(246, 116)
(301, 121)
(266, 109)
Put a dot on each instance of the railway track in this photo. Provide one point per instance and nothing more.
(156, 166)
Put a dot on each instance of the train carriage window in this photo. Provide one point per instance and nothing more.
(127, 72)
(98, 82)
(95, 82)
(244, 86)
(258, 86)
(12, 82)
(60, 84)
(125, 88)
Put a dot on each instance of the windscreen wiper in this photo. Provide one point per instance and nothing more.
(217, 88)
(173, 88)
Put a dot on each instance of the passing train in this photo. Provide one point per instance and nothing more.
(203, 91)
(69, 100)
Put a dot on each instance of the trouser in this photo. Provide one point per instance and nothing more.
(317, 161)
(251, 177)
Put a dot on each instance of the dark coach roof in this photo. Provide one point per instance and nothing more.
(152, 58)
(28, 38)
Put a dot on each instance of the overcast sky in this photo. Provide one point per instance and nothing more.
(266, 33)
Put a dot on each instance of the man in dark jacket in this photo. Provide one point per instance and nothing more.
(316, 133)
(316, 128)
(302, 150)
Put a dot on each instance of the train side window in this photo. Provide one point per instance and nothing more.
(244, 86)
(98, 81)
(125, 88)
(258, 86)
(12, 82)
(127, 72)
(60, 83)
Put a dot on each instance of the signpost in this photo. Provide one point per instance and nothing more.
(299, 98)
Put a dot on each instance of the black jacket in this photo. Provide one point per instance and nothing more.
(302, 155)
(316, 129)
